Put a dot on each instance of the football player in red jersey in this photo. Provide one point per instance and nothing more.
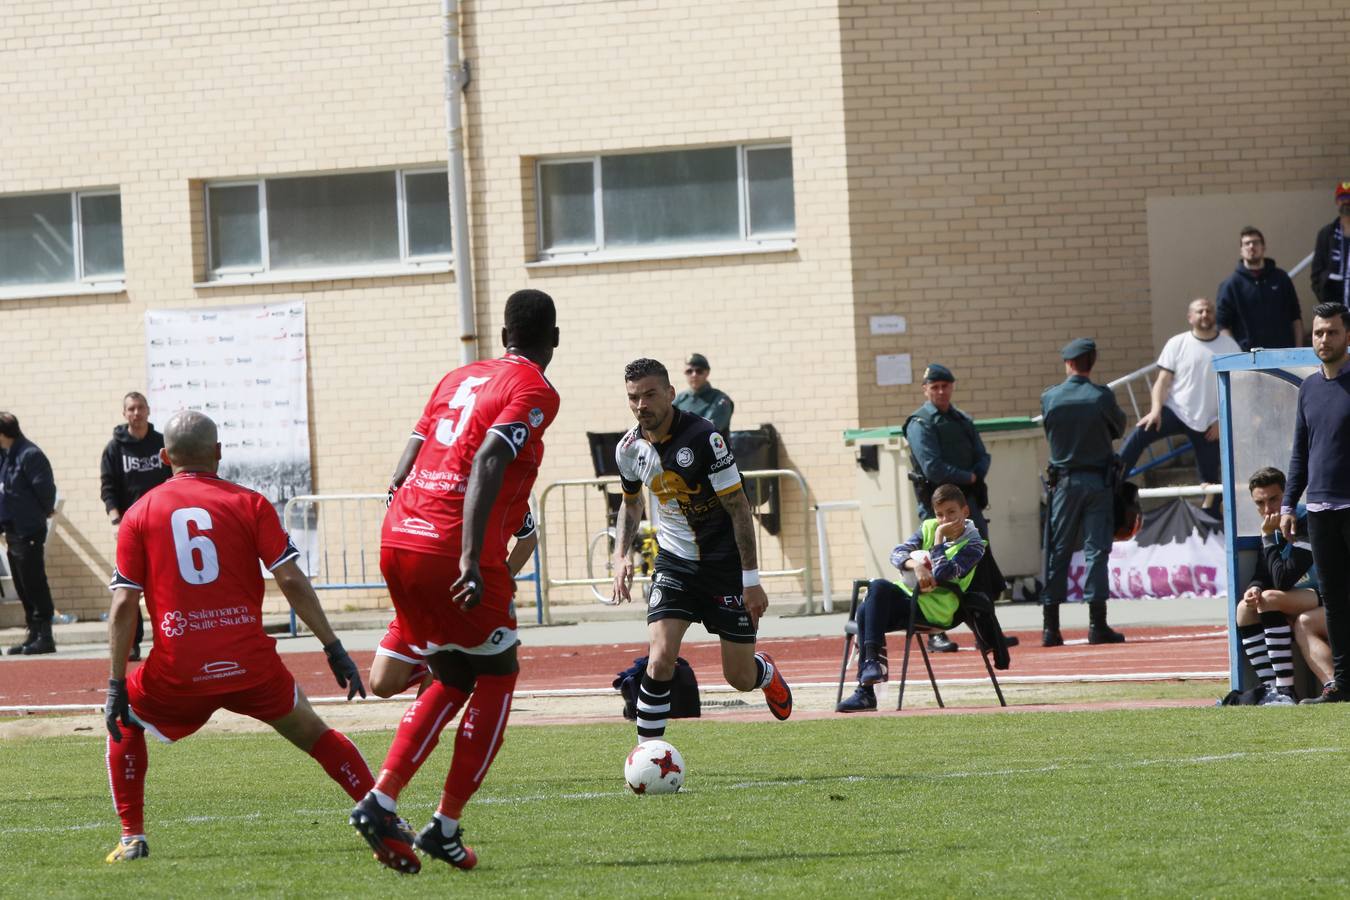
(397, 667)
(461, 489)
(192, 546)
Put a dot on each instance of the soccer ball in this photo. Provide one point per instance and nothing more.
(654, 767)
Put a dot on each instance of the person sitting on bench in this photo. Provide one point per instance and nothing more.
(937, 562)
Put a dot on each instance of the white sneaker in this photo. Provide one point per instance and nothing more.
(1277, 697)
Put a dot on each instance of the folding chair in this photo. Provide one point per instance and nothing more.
(913, 631)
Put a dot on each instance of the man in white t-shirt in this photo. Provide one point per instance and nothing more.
(1185, 396)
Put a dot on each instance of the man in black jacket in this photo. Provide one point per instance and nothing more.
(27, 500)
(1257, 304)
(1331, 254)
(131, 466)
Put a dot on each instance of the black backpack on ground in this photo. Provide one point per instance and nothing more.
(684, 701)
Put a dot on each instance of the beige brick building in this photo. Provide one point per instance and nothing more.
(997, 173)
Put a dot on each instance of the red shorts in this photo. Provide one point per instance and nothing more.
(171, 713)
(395, 644)
(419, 585)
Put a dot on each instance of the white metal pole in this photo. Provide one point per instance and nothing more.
(456, 78)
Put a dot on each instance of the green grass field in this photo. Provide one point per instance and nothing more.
(1179, 802)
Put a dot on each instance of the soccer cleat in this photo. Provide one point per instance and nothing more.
(1104, 634)
(127, 850)
(433, 842)
(871, 671)
(1331, 693)
(387, 834)
(1051, 637)
(940, 643)
(777, 693)
(864, 699)
(1277, 697)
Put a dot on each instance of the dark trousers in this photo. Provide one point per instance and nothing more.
(1330, 537)
(1081, 500)
(886, 608)
(1206, 452)
(27, 563)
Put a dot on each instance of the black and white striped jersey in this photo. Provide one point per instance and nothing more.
(687, 472)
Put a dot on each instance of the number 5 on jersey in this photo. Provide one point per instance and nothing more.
(192, 548)
(459, 410)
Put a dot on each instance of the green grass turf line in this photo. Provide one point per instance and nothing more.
(1146, 803)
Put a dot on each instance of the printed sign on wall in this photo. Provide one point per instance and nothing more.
(245, 367)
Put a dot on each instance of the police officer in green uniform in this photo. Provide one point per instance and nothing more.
(702, 399)
(945, 448)
(1080, 419)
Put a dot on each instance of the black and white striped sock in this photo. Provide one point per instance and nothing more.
(1253, 639)
(1279, 637)
(653, 707)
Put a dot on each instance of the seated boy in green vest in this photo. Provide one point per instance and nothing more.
(937, 561)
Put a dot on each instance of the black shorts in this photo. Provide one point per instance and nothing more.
(707, 592)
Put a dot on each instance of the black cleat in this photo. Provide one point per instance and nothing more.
(940, 643)
(387, 834)
(433, 842)
(1331, 693)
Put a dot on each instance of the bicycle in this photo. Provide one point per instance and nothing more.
(600, 560)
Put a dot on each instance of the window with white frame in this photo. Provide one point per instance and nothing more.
(322, 223)
(61, 239)
(632, 204)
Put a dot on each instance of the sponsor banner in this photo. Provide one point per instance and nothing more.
(1194, 567)
(246, 368)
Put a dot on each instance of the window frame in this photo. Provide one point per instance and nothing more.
(263, 272)
(82, 283)
(746, 242)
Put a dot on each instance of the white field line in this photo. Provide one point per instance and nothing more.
(340, 699)
(1113, 764)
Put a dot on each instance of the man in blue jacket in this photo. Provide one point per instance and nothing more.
(1317, 463)
(1258, 306)
(27, 500)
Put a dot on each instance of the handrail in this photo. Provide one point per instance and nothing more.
(547, 581)
(823, 543)
(1302, 264)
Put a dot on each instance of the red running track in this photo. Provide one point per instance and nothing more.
(1160, 652)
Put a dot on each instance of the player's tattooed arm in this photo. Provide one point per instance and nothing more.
(737, 506)
(626, 529)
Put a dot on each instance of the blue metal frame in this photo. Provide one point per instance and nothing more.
(1267, 362)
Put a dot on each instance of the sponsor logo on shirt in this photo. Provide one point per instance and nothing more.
(719, 445)
(224, 668)
(668, 486)
(419, 527)
(437, 480)
(173, 624)
(209, 619)
(685, 457)
(536, 417)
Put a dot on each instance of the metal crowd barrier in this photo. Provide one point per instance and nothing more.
(338, 536)
(575, 517)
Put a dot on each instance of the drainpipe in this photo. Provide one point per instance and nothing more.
(456, 81)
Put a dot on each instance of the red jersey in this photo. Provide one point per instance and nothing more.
(192, 546)
(506, 399)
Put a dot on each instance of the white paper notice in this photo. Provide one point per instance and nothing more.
(888, 324)
(894, 368)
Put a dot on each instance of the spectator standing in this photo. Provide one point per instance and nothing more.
(27, 501)
(1257, 304)
(130, 467)
(1331, 254)
(702, 399)
(1185, 395)
(945, 448)
(1081, 419)
(1317, 465)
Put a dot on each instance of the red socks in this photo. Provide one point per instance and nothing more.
(127, 762)
(417, 735)
(343, 763)
(478, 740)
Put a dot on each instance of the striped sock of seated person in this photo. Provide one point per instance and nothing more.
(1253, 638)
